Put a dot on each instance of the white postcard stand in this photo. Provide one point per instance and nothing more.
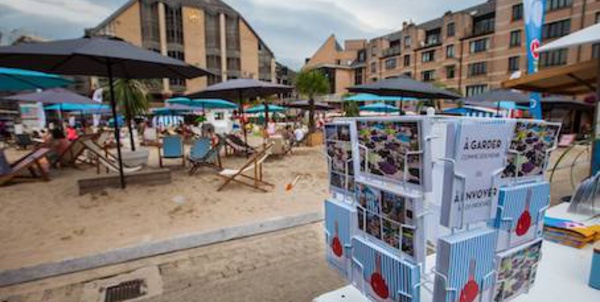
(340, 137)
(392, 219)
(394, 151)
(476, 162)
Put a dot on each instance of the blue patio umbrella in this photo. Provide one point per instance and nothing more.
(261, 108)
(78, 107)
(203, 103)
(379, 107)
(12, 79)
(365, 97)
(175, 110)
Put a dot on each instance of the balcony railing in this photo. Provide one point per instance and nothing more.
(393, 51)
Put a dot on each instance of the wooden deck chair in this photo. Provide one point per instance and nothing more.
(31, 162)
(150, 137)
(295, 143)
(70, 156)
(171, 148)
(254, 164)
(203, 155)
(107, 159)
(238, 145)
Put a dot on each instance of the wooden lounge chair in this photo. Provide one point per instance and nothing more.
(254, 164)
(23, 141)
(238, 145)
(203, 155)
(171, 148)
(30, 162)
(70, 156)
(107, 159)
(295, 143)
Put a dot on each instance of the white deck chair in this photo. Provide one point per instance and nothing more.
(254, 163)
(107, 159)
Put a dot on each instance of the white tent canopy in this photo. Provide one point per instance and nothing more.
(589, 34)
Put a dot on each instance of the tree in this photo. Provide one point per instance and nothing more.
(311, 83)
(132, 100)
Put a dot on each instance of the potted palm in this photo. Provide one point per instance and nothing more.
(312, 83)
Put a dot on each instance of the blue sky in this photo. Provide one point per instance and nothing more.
(293, 29)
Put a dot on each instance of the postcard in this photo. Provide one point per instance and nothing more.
(516, 271)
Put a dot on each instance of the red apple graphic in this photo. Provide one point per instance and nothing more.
(471, 289)
(377, 282)
(524, 222)
(336, 245)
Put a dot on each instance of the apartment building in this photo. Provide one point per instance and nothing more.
(205, 33)
(471, 50)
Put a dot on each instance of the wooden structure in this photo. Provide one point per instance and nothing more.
(31, 162)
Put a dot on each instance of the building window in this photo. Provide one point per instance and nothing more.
(174, 24)
(362, 55)
(553, 58)
(556, 29)
(232, 33)
(212, 32)
(517, 12)
(484, 24)
(515, 38)
(557, 4)
(407, 42)
(374, 50)
(450, 71)
(408, 74)
(476, 89)
(150, 27)
(390, 63)
(395, 44)
(179, 55)
(596, 51)
(358, 76)
(598, 17)
(373, 67)
(513, 64)
(406, 60)
(428, 75)
(433, 36)
(477, 69)
(479, 45)
(450, 30)
(213, 62)
(428, 56)
(450, 51)
(234, 64)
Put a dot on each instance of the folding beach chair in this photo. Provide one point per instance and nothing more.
(107, 159)
(150, 137)
(31, 162)
(295, 144)
(254, 164)
(23, 141)
(203, 155)
(70, 155)
(238, 145)
(172, 148)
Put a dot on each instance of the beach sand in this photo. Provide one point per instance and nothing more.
(49, 221)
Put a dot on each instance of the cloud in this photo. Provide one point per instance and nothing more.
(80, 12)
(293, 29)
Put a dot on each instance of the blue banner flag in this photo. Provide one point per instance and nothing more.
(533, 12)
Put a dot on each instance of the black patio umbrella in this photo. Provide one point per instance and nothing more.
(241, 89)
(305, 105)
(97, 56)
(51, 96)
(405, 87)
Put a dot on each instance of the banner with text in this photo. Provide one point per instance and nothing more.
(533, 13)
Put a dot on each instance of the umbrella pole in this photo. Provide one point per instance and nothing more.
(113, 104)
(243, 122)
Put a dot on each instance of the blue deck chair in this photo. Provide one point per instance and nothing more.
(172, 148)
(202, 155)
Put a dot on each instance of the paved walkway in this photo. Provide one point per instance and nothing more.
(281, 266)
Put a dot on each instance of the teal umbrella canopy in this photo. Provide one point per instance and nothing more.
(12, 79)
(261, 108)
(203, 103)
(78, 107)
(172, 110)
(364, 97)
(379, 107)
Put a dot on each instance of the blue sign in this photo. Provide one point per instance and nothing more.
(533, 12)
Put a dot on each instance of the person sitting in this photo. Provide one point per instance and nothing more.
(72, 134)
(271, 128)
(298, 134)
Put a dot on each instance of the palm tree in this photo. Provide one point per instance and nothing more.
(132, 100)
(311, 83)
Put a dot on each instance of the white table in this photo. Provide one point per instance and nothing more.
(562, 274)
